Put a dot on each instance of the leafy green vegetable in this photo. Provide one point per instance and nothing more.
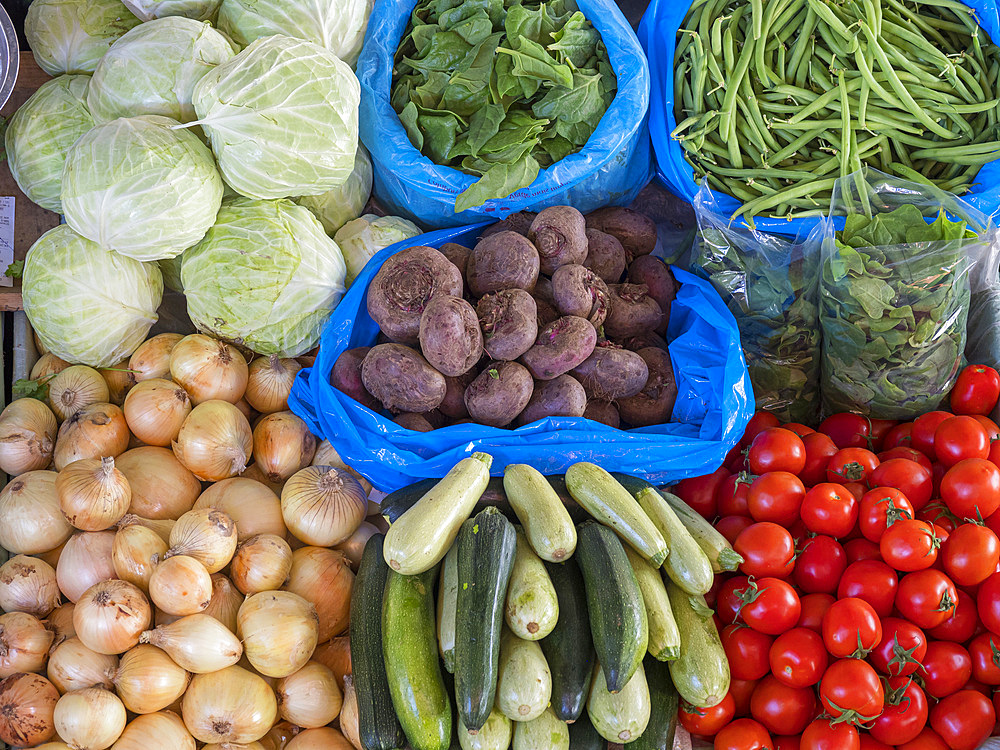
(24, 388)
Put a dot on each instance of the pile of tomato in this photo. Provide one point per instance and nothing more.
(866, 613)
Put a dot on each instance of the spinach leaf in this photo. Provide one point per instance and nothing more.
(499, 180)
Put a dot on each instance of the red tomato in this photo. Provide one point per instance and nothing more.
(984, 650)
(728, 601)
(937, 513)
(736, 460)
(861, 549)
(901, 649)
(814, 606)
(847, 430)
(731, 495)
(873, 581)
(767, 550)
(905, 712)
(975, 391)
(974, 684)
(897, 436)
(991, 427)
(742, 690)
(772, 607)
(926, 598)
(743, 734)
(879, 508)
(797, 658)
(963, 719)
(880, 430)
(912, 478)
(819, 450)
(962, 625)
(819, 565)
(851, 629)
(971, 488)
(904, 452)
(782, 709)
(829, 509)
(706, 721)
(747, 651)
(699, 492)
(851, 687)
(928, 739)
(776, 449)
(798, 428)
(869, 743)
(760, 421)
(924, 427)
(995, 452)
(776, 496)
(909, 545)
(970, 555)
(851, 465)
(988, 603)
(946, 668)
(822, 735)
(788, 742)
(731, 526)
(958, 438)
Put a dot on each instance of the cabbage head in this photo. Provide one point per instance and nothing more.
(40, 134)
(88, 304)
(265, 277)
(199, 10)
(141, 187)
(338, 206)
(153, 69)
(171, 270)
(282, 118)
(338, 25)
(70, 36)
(360, 239)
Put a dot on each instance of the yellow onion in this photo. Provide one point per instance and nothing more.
(198, 643)
(206, 534)
(309, 697)
(28, 584)
(208, 369)
(180, 585)
(27, 436)
(162, 618)
(246, 410)
(27, 705)
(90, 719)
(349, 714)
(52, 556)
(261, 563)
(53, 746)
(93, 494)
(60, 622)
(148, 680)
(279, 631)
(326, 455)
(335, 654)
(73, 666)
(323, 738)
(95, 431)
(231, 705)
(47, 366)
(120, 380)
(277, 737)
(135, 553)
(270, 382)
(167, 727)
(24, 643)
(215, 441)
(355, 544)
(254, 508)
(110, 617)
(282, 445)
(161, 528)
(226, 601)
(161, 487)
(323, 578)
(74, 388)
(323, 506)
(155, 410)
(85, 560)
(231, 746)
(254, 472)
(33, 523)
(152, 358)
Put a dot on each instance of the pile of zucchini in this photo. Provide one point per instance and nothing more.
(552, 634)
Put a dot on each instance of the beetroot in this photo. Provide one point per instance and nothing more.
(634, 230)
(518, 222)
(579, 291)
(509, 322)
(457, 254)
(499, 394)
(633, 312)
(453, 405)
(560, 347)
(655, 402)
(505, 260)
(605, 256)
(604, 412)
(415, 422)
(656, 276)
(450, 338)
(560, 397)
(346, 376)
(402, 379)
(611, 373)
(560, 236)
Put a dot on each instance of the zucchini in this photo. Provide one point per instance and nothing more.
(618, 622)
(422, 535)
(623, 716)
(525, 683)
(664, 638)
(495, 734)
(583, 736)
(547, 525)
(688, 566)
(611, 504)
(569, 649)
(701, 674)
(546, 732)
(418, 692)
(486, 547)
(378, 727)
(399, 501)
(446, 602)
(664, 701)
(532, 606)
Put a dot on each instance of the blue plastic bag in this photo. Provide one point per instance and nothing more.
(658, 36)
(714, 401)
(610, 170)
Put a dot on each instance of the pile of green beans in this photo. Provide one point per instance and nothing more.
(776, 99)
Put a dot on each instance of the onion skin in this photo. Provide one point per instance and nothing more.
(162, 489)
(261, 563)
(166, 726)
(148, 680)
(119, 380)
(27, 707)
(323, 738)
(207, 535)
(135, 553)
(198, 643)
(323, 577)
(355, 544)
(24, 643)
(215, 441)
(270, 383)
(90, 719)
(95, 431)
(33, 523)
(93, 494)
(335, 654)
(208, 369)
(87, 559)
(231, 705)
(309, 697)
(74, 388)
(28, 585)
(152, 358)
(180, 585)
(155, 411)
(282, 445)
(323, 505)
(279, 631)
(110, 617)
(252, 505)
(73, 666)
(47, 366)
(27, 436)
(226, 601)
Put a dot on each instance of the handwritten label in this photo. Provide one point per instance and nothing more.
(6, 238)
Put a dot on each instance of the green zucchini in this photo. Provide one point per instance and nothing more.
(547, 732)
(419, 538)
(701, 674)
(583, 736)
(569, 649)
(486, 547)
(664, 638)
(378, 727)
(447, 599)
(547, 525)
(688, 566)
(495, 734)
(664, 701)
(611, 504)
(622, 716)
(618, 621)
(532, 606)
(399, 501)
(412, 668)
(718, 549)
(525, 683)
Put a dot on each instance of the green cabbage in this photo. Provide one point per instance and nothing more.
(141, 187)
(266, 277)
(171, 270)
(360, 239)
(338, 206)
(70, 36)
(86, 303)
(282, 118)
(41, 132)
(199, 10)
(153, 69)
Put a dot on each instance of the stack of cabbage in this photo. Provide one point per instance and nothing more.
(153, 118)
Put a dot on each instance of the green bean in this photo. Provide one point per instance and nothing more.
(758, 206)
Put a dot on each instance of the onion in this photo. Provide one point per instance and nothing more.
(166, 726)
(254, 472)
(246, 410)
(180, 585)
(32, 520)
(53, 746)
(162, 618)
(148, 680)
(206, 534)
(323, 738)
(198, 643)
(47, 366)
(335, 654)
(86, 560)
(95, 431)
(309, 697)
(226, 601)
(60, 622)
(323, 506)
(323, 578)
(326, 455)
(349, 714)
(135, 553)
(208, 369)
(230, 746)
(215, 441)
(282, 445)
(24, 643)
(28, 584)
(27, 704)
(277, 737)
(231, 705)
(110, 617)
(27, 436)
(161, 487)
(270, 383)
(354, 546)
(279, 631)
(120, 380)
(73, 666)
(254, 508)
(90, 719)
(52, 556)
(152, 358)
(74, 388)
(161, 528)
(155, 410)
(261, 563)
(93, 494)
